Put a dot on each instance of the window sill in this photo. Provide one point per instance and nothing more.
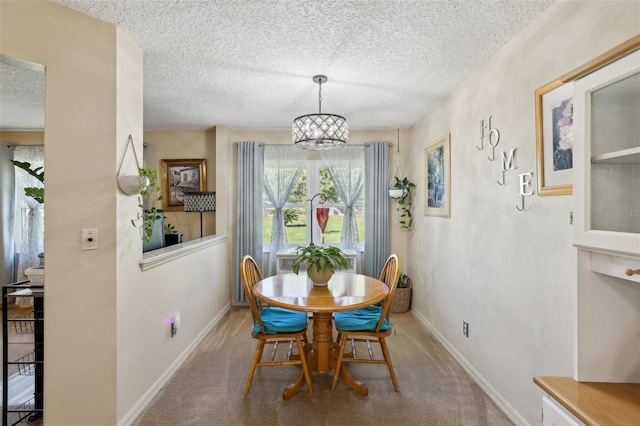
(163, 255)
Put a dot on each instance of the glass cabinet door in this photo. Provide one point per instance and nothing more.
(607, 135)
(615, 156)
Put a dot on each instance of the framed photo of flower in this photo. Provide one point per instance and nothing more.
(179, 177)
(437, 178)
(554, 137)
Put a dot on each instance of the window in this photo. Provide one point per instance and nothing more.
(314, 179)
(29, 214)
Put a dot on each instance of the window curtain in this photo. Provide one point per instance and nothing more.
(29, 213)
(282, 168)
(376, 219)
(249, 233)
(7, 212)
(346, 168)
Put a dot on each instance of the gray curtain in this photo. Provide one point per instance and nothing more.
(282, 168)
(346, 168)
(249, 233)
(376, 218)
(7, 209)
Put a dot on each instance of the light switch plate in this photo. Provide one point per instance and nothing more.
(89, 239)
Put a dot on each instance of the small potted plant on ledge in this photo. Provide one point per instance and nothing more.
(171, 235)
(321, 262)
(402, 299)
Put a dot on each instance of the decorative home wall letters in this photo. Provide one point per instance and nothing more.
(508, 161)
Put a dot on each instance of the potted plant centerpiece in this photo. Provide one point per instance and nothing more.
(402, 298)
(321, 261)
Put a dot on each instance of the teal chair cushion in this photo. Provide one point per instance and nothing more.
(279, 320)
(365, 319)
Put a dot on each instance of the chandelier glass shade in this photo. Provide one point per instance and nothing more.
(320, 131)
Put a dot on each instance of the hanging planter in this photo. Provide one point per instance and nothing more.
(132, 184)
(400, 190)
(396, 193)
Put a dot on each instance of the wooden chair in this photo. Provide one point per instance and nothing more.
(367, 325)
(273, 326)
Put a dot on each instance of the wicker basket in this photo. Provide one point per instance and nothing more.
(402, 299)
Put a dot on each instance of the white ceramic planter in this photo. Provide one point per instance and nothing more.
(35, 275)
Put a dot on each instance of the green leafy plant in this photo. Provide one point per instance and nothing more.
(170, 229)
(322, 257)
(405, 202)
(35, 192)
(290, 215)
(149, 195)
(404, 281)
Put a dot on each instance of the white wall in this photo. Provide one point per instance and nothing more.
(511, 274)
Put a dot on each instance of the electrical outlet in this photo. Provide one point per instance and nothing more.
(174, 327)
(465, 328)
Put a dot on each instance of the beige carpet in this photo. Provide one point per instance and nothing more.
(209, 387)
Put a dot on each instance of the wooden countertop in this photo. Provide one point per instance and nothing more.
(593, 403)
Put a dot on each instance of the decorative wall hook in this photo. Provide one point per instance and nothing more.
(493, 151)
(503, 181)
(522, 202)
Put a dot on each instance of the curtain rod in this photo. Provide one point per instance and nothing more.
(366, 145)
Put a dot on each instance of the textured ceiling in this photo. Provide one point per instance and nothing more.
(249, 64)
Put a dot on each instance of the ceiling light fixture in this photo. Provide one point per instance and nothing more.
(320, 131)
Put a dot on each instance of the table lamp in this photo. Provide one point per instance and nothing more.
(200, 202)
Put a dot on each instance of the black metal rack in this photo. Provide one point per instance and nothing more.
(31, 364)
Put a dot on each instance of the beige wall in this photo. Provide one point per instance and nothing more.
(107, 343)
(176, 145)
(80, 134)
(511, 274)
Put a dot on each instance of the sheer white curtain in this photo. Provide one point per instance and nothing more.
(346, 168)
(29, 214)
(7, 212)
(282, 168)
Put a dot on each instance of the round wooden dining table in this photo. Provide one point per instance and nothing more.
(345, 291)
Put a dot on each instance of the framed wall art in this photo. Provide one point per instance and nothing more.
(554, 137)
(437, 178)
(179, 177)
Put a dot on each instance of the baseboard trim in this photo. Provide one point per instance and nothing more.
(495, 396)
(148, 396)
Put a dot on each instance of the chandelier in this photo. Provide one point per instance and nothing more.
(320, 131)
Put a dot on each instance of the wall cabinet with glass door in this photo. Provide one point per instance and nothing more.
(607, 221)
(607, 158)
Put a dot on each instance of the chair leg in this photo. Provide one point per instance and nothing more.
(305, 368)
(257, 355)
(387, 358)
(336, 374)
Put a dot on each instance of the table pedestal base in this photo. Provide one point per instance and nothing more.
(322, 357)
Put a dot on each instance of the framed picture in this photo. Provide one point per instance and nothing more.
(437, 178)
(554, 140)
(179, 177)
